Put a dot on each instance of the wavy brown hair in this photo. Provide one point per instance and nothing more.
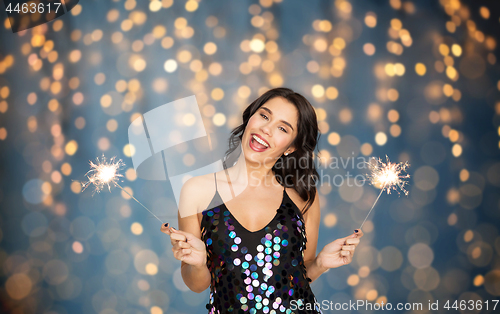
(289, 167)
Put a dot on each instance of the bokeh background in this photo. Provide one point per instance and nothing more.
(414, 80)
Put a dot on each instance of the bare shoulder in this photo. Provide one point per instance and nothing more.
(197, 192)
(295, 197)
(300, 202)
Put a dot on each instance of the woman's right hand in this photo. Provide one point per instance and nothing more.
(186, 247)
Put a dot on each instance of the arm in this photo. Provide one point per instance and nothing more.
(335, 254)
(312, 220)
(195, 274)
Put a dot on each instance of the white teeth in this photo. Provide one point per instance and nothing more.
(260, 141)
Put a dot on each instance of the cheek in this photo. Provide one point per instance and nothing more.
(253, 123)
(281, 140)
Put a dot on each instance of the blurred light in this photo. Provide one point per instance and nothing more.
(334, 138)
(456, 50)
(484, 12)
(364, 271)
(191, 5)
(395, 130)
(257, 45)
(332, 92)
(374, 112)
(371, 19)
(456, 150)
(478, 280)
(71, 147)
(219, 119)
(392, 94)
(77, 247)
(345, 115)
(32, 124)
(390, 258)
(420, 255)
(321, 114)
(393, 116)
(330, 220)
(76, 187)
(136, 228)
(380, 138)
(444, 49)
(217, 94)
(129, 150)
(170, 66)
(130, 174)
(396, 24)
(210, 48)
(18, 286)
(156, 309)
(369, 49)
(318, 91)
(453, 135)
(450, 26)
(464, 175)
(3, 133)
(126, 192)
(66, 169)
(366, 149)
(353, 280)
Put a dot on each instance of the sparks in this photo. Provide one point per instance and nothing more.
(103, 173)
(388, 177)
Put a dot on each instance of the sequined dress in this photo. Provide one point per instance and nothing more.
(261, 271)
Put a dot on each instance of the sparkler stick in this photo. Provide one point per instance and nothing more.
(389, 176)
(104, 173)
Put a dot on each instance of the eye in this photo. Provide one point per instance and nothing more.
(264, 116)
(283, 129)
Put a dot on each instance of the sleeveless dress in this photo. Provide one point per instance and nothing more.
(261, 271)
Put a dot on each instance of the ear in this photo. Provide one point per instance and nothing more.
(290, 150)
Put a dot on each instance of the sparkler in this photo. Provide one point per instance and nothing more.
(103, 173)
(387, 175)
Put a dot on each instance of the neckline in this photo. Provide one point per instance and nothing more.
(263, 228)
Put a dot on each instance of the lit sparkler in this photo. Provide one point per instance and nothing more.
(388, 176)
(103, 173)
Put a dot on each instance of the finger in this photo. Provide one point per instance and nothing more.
(186, 251)
(176, 248)
(348, 259)
(345, 253)
(348, 248)
(185, 236)
(178, 255)
(354, 241)
(165, 229)
(184, 245)
(359, 233)
(177, 237)
(181, 245)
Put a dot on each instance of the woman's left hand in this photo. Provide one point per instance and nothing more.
(339, 252)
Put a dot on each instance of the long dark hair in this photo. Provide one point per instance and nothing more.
(305, 142)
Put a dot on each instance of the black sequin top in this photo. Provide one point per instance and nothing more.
(261, 271)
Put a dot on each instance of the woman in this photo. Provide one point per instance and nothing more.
(253, 256)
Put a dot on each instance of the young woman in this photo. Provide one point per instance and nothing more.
(251, 251)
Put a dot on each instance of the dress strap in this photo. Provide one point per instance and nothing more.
(215, 177)
(229, 182)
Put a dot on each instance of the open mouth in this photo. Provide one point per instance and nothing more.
(258, 144)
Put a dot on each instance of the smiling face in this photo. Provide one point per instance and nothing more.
(270, 131)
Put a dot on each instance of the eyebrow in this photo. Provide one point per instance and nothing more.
(270, 112)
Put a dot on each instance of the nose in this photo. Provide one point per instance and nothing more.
(265, 129)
